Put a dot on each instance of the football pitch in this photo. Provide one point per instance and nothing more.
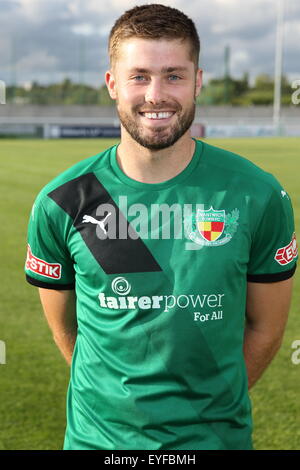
(34, 380)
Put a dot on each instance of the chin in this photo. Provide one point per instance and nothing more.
(157, 144)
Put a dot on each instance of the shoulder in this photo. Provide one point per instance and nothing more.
(238, 170)
(77, 171)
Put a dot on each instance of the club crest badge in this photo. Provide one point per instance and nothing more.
(213, 227)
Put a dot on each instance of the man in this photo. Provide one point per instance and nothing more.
(149, 313)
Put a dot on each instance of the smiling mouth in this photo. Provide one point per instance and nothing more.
(158, 116)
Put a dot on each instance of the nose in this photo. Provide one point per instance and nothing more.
(155, 92)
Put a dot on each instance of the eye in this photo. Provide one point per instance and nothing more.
(139, 78)
(174, 78)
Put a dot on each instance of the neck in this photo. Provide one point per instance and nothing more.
(148, 166)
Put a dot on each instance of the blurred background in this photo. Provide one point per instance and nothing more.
(55, 111)
(54, 57)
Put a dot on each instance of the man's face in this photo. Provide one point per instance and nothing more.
(155, 84)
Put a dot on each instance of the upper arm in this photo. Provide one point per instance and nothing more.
(272, 264)
(268, 306)
(49, 263)
(274, 250)
(60, 309)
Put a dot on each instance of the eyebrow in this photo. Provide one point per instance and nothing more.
(163, 70)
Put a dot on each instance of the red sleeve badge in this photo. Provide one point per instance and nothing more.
(287, 253)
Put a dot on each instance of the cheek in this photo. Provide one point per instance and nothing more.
(182, 93)
(185, 98)
(129, 95)
(188, 93)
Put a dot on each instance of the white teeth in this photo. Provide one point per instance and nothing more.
(158, 115)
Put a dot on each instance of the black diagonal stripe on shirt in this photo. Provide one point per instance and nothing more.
(82, 196)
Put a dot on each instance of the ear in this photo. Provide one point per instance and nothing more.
(198, 81)
(111, 84)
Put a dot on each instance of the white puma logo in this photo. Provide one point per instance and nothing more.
(283, 193)
(89, 219)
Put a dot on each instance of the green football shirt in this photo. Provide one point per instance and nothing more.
(160, 273)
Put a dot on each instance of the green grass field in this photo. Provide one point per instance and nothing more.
(34, 380)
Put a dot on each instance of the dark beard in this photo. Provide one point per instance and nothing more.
(159, 141)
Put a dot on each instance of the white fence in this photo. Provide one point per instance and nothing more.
(2, 352)
(94, 121)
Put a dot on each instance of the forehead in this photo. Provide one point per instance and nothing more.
(158, 53)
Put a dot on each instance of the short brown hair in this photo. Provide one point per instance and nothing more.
(154, 21)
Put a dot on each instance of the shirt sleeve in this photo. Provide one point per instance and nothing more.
(274, 251)
(48, 262)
